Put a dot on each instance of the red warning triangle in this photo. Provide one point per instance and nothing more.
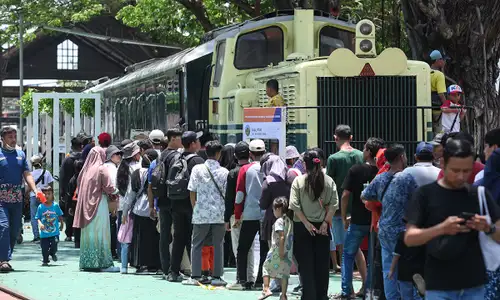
(367, 70)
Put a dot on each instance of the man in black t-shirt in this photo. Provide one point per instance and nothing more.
(444, 216)
(182, 210)
(358, 226)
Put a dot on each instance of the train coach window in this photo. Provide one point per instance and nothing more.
(260, 48)
(332, 38)
(219, 62)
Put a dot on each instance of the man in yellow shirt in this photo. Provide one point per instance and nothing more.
(438, 88)
(272, 91)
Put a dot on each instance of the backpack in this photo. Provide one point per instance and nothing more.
(159, 175)
(178, 178)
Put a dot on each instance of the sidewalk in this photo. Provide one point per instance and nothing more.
(63, 280)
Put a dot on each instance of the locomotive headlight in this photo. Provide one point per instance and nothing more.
(365, 28)
(366, 46)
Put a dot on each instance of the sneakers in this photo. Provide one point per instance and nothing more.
(36, 240)
(54, 257)
(123, 270)
(238, 286)
(218, 282)
(190, 281)
(205, 280)
(45, 264)
(68, 239)
(111, 270)
(172, 277)
(297, 291)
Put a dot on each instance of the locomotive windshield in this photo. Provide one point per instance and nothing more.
(332, 38)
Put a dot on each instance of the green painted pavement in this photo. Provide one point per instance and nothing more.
(63, 280)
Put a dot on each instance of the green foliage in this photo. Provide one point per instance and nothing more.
(87, 107)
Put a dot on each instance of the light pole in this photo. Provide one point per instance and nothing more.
(21, 77)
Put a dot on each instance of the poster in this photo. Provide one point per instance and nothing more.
(267, 123)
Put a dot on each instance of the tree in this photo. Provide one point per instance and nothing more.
(466, 32)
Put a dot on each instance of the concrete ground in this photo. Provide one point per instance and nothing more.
(63, 280)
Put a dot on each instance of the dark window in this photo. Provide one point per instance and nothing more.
(219, 62)
(332, 38)
(259, 49)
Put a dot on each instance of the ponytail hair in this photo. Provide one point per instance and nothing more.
(282, 202)
(315, 180)
(123, 176)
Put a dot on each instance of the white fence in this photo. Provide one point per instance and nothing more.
(45, 132)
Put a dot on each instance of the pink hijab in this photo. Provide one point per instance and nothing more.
(93, 181)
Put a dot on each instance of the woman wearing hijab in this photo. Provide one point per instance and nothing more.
(145, 255)
(314, 200)
(95, 190)
(274, 186)
(228, 160)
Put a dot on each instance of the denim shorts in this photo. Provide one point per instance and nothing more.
(338, 233)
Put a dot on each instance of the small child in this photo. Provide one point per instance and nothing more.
(49, 215)
(279, 258)
(409, 262)
(452, 110)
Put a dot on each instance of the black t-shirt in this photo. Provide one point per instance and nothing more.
(411, 260)
(353, 182)
(166, 157)
(452, 262)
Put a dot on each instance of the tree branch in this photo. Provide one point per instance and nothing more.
(246, 7)
(199, 11)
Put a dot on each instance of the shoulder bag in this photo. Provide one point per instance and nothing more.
(489, 247)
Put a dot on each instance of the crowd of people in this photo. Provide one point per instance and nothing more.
(185, 206)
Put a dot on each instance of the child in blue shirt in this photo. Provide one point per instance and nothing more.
(49, 216)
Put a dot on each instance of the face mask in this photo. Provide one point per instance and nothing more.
(8, 147)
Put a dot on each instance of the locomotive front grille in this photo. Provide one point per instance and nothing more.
(380, 106)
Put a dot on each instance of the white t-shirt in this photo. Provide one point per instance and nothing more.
(47, 179)
(447, 119)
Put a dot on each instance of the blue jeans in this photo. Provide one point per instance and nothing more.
(353, 239)
(338, 233)
(476, 293)
(124, 255)
(34, 223)
(390, 285)
(10, 225)
(118, 224)
(408, 291)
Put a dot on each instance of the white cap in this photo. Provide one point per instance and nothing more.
(156, 136)
(36, 159)
(257, 146)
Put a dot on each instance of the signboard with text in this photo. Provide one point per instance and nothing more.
(267, 123)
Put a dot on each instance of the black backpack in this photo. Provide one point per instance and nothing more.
(178, 178)
(159, 174)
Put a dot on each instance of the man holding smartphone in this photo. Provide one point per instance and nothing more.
(444, 216)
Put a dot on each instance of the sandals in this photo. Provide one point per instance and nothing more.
(265, 295)
(5, 267)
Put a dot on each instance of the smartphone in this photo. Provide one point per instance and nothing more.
(466, 216)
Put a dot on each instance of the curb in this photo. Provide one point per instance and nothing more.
(13, 293)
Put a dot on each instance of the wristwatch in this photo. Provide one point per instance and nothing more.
(493, 229)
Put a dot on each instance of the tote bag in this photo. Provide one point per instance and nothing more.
(489, 247)
(125, 231)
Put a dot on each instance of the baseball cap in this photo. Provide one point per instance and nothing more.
(292, 152)
(454, 88)
(437, 139)
(241, 148)
(257, 145)
(112, 150)
(156, 136)
(436, 55)
(104, 138)
(424, 147)
(36, 159)
(189, 137)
